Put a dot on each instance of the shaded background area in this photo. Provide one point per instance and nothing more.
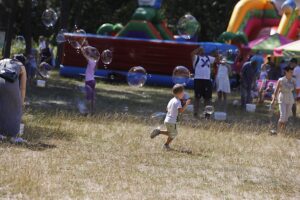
(89, 15)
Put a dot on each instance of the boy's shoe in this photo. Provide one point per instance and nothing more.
(17, 140)
(2, 138)
(154, 133)
(273, 132)
(166, 147)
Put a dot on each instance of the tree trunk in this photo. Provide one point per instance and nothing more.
(65, 11)
(10, 27)
(27, 26)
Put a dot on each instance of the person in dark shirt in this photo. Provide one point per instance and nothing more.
(248, 78)
(274, 73)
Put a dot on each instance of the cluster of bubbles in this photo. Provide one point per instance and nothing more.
(188, 26)
(137, 76)
(230, 55)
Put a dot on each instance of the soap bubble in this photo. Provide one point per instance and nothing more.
(157, 120)
(20, 42)
(209, 110)
(91, 53)
(49, 17)
(78, 40)
(43, 70)
(181, 75)
(106, 56)
(137, 77)
(60, 37)
(188, 26)
(158, 116)
(81, 98)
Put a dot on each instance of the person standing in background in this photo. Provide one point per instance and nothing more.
(12, 97)
(285, 97)
(259, 60)
(296, 74)
(248, 79)
(222, 81)
(202, 81)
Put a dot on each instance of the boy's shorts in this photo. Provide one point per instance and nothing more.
(172, 130)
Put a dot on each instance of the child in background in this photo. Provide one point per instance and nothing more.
(173, 109)
(90, 83)
(222, 80)
(268, 93)
(263, 73)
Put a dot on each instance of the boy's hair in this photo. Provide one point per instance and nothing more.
(178, 88)
(288, 68)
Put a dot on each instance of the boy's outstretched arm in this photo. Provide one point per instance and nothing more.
(181, 110)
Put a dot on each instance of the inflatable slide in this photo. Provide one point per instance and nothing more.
(259, 18)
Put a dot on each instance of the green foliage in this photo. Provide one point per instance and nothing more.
(239, 37)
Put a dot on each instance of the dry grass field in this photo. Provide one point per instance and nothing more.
(110, 155)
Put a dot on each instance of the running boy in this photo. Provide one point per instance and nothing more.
(174, 107)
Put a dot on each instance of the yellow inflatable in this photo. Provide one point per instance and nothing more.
(257, 18)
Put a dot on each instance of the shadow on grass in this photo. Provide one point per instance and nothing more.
(39, 146)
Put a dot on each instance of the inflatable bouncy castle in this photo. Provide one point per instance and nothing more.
(259, 18)
(144, 41)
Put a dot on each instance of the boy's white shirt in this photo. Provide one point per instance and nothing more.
(172, 108)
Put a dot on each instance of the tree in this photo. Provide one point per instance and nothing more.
(11, 4)
(27, 26)
(65, 8)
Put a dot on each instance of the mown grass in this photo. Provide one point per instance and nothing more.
(110, 155)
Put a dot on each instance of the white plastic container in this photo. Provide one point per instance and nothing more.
(250, 108)
(220, 116)
(41, 83)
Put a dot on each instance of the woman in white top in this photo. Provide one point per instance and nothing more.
(285, 97)
(222, 80)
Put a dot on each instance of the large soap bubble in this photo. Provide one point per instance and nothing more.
(78, 40)
(188, 26)
(91, 53)
(49, 17)
(60, 37)
(106, 56)
(181, 75)
(137, 77)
